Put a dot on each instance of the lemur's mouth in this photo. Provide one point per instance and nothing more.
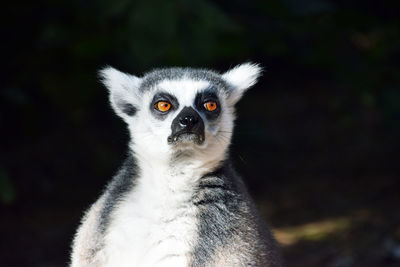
(186, 137)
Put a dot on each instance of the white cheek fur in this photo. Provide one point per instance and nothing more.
(150, 134)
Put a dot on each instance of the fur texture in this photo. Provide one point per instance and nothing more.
(180, 202)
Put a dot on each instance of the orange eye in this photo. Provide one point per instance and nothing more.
(210, 106)
(163, 106)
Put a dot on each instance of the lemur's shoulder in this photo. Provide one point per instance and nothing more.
(229, 223)
(120, 185)
(89, 239)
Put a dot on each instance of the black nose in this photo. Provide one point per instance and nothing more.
(188, 121)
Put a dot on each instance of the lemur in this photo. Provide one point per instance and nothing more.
(176, 201)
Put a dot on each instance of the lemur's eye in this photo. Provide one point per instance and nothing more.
(163, 106)
(210, 105)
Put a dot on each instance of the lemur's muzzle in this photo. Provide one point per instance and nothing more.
(187, 126)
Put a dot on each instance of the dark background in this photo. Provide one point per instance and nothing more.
(317, 139)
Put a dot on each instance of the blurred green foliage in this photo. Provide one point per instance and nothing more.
(7, 189)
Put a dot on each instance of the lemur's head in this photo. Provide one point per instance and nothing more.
(177, 111)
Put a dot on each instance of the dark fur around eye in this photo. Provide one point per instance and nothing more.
(206, 96)
(163, 96)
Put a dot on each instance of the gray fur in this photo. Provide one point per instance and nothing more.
(152, 78)
(120, 185)
(229, 220)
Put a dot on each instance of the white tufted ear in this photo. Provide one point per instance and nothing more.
(123, 90)
(241, 78)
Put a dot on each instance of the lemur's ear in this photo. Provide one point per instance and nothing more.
(241, 78)
(123, 90)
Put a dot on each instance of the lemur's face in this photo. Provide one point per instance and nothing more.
(186, 113)
(175, 111)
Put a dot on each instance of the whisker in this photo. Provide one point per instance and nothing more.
(219, 141)
(224, 137)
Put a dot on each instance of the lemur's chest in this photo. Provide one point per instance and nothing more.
(154, 226)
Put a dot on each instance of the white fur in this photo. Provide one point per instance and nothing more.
(241, 78)
(88, 239)
(155, 225)
(122, 88)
